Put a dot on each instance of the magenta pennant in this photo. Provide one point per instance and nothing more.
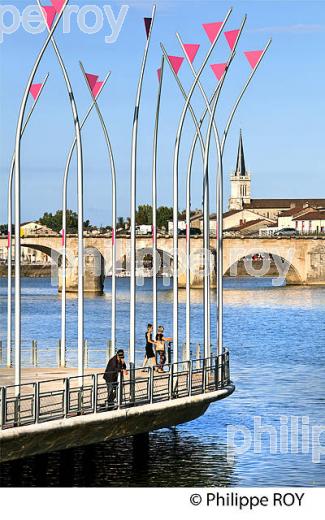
(212, 30)
(8, 240)
(191, 50)
(92, 80)
(219, 69)
(35, 90)
(97, 88)
(159, 74)
(147, 24)
(231, 37)
(253, 57)
(176, 63)
(49, 15)
(58, 5)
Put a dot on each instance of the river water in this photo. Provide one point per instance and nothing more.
(276, 339)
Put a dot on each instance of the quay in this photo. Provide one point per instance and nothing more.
(55, 409)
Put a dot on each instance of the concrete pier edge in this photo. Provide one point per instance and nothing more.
(26, 441)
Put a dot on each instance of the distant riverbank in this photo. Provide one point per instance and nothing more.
(29, 271)
(44, 271)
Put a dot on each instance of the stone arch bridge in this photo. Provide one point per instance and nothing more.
(299, 260)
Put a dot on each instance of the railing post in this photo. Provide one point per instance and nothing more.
(204, 376)
(171, 381)
(94, 378)
(216, 373)
(36, 402)
(132, 383)
(120, 390)
(220, 359)
(151, 376)
(3, 407)
(66, 397)
(16, 409)
(169, 353)
(190, 375)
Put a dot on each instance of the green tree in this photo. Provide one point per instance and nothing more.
(55, 221)
(164, 215)
(144, 215)
(120, 222)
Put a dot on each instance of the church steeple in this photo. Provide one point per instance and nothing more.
(240, 168)
(240, 181)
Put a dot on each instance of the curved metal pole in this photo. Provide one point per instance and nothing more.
(175, 194)
(185, 96)
(188, 231)
(154, 200)
(9, 219)
(113, 174)
(220, 209)
(133, 197)
(198, 135)
(64, 233)
(206, 217)
(80, 206)
(18, 205)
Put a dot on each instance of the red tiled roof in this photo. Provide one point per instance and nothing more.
(313, 215)
(248, 224)
(283, 203)
(231, 212)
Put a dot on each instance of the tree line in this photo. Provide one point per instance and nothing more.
(143, 217)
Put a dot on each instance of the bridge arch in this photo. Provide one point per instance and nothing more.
(275, 262)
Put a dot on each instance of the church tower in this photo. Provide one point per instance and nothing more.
(240, 181)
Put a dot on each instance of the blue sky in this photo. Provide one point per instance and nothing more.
(282, 116)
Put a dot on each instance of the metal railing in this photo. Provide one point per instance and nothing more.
(97, 352)
(43, 401)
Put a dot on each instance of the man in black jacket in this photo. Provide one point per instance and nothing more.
(115, 366)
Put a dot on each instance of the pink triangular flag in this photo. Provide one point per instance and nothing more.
(97, 88)
(253, 57)
(176, 62)
(212, 30)
(49, 15)
(219, 69)
(58, 4)
(147, 24)
(62, 233)
(231, 37)
(36, 89)
(8, 240)
(159, 74)
(191, 50)
(92, 80)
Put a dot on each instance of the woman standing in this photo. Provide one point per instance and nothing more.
(150, 357)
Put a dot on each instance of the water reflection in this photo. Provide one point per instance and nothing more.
(165, 458)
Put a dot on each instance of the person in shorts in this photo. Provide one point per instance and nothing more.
(161, 348)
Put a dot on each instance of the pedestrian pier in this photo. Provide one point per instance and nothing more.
(64, 410)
